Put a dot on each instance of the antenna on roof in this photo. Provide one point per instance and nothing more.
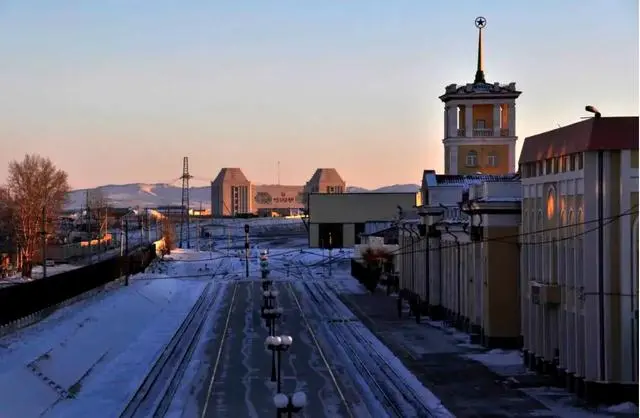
(592, 109)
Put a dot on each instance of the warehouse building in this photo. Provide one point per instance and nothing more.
(338, 220)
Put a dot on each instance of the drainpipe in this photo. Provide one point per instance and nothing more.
(601, 263)
(458, 269)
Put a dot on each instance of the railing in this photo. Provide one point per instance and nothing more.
(483, 132)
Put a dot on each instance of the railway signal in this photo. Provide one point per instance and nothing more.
(264, 264)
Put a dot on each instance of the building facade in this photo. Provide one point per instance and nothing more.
(233, 194)
(579, 254)
(338, 220)
(455, 267)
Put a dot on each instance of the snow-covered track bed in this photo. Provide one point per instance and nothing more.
(155, 394)
(399, 393)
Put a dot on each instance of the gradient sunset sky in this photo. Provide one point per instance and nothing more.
(119, 91)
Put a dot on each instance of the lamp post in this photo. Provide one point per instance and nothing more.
(269, 296)
(266, 284)
(270, 315)
(278, 345)
(289, 405)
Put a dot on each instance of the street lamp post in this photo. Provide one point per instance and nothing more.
(270, 315)
(266, 284)
(289, 404)
(269, 296)
(278, 345)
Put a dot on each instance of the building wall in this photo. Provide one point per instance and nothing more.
(358, 207)
(500, 151)
(501, 290)
(349, 209)
(560, 245)
(274, 196)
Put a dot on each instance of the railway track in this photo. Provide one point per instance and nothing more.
(223, 338)
(314, 338)
(388, 385)
(155, 394)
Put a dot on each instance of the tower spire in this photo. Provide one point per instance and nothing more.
(481, 22)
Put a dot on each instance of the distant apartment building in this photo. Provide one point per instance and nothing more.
(579, 255)
(233, 194)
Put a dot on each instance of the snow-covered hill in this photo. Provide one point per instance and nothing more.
(150, 195)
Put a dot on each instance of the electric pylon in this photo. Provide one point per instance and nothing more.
(184, 218)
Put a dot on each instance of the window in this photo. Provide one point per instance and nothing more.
(572, 163)
(556, 165)
(548, 166)
(472, 158)
(481, 124)
(580, 160)
(539, 168)
(492, 159)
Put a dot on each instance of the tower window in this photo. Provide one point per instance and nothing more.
(492, 159)
(472, 158)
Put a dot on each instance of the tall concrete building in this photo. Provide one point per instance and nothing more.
(232, 193)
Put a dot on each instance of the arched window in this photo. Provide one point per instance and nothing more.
(540, 261)
(571, 256)
(551, 203)
(472, 158)
(492, 159)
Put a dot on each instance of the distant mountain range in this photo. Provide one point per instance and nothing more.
(151, 195)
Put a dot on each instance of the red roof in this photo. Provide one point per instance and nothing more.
(594, 134)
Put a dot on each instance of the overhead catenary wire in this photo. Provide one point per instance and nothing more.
(512, 237)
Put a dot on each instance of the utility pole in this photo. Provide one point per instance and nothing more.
(126, 250)
(44, 241)
(246, 249)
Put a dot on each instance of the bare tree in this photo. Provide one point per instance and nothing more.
(37, 188)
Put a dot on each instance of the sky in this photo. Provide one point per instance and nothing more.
(119, 91)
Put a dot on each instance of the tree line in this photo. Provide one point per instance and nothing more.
(33, 196)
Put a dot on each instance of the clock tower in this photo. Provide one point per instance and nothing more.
(480, 123)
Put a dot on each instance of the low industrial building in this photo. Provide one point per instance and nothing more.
(233, 194)
(338, 220)
(579, 255)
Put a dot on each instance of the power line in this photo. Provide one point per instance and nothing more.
(510, 238)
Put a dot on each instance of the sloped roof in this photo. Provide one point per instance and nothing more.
(595, 134)
(230, 175)
(326, 175)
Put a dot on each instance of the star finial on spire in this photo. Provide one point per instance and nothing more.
(481, 23)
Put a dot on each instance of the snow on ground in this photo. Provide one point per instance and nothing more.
(508, 363)
(95, 351)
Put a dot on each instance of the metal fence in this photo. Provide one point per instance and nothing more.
(26, 299)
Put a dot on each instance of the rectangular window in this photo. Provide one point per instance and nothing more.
(492, 160)
(548, 166)
(579, 157)
(481, 124)
(556, 164)
(539, 168)
(572, 163)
